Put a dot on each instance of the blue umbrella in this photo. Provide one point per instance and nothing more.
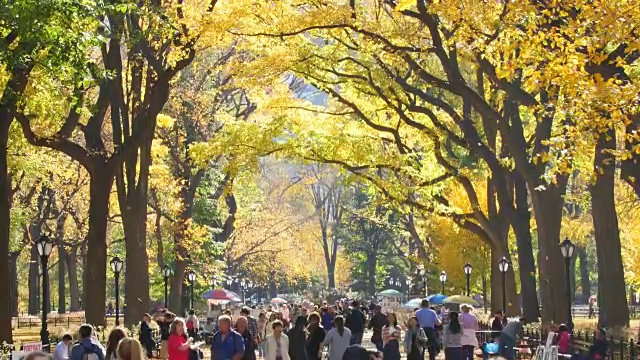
(437, 299)
(413, 303)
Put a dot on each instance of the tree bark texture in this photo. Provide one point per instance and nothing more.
(62, 265)
(72, 268)
(548, 205)
(95, 276)
(527, 267)
(34, 280)
(613, 307)
(585, 282)
(12, 92)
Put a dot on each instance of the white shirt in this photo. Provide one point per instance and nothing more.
(61, 352)
(271, 345)
(196, 322)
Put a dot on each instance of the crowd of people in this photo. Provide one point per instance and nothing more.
(304, 331)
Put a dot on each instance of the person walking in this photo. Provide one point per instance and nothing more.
(227, 344)
(414, 340)
(146, 337)
(315, 337)
(327, 318)
(428, 320)
(242, 327)
(338, 339)
(252, 324)
(297, 339)
(262, 332)
(129, 349)
(497, 325)
(469, 327)
(88, 348)
(178, 344)
(277, 344)
(63, 348)
(113, 340)
(391, 336)
(164, 318)
(193, 324)
(377, 322)
(452, 338)
(355, 322)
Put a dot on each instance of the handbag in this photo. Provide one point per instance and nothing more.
(423, 341)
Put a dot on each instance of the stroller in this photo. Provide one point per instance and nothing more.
(506, 345)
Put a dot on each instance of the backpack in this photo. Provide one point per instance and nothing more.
(90, 354)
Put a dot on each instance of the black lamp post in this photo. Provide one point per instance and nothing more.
(443, 279)
(467, 272)
(243, 285)
(191, 276)
(45, 246)
(503, 266)
(116, 266)
(421, 276)
(567, 248)
(166, 272)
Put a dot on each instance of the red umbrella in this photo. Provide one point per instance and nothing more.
(221, 294)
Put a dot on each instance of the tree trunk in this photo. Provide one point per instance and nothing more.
(13, 281)
(585, 282)
(62, 265)
(5, 225)
(484, 289)
(136, 287)
(527, 266)
(34, 278)
(548, 205)
(175, 295)
(613, 308)
(83, 292)
(513, 307)
(132, 198)
(95, 276)
(10, 97)
(371, 274)
(72, 267)
(62, 271)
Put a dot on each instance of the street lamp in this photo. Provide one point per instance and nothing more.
(166, 272)
(242, 288)
(467, 272)
(45, 246)
(191, 276)
(567, 249)
(503, 266)
(421, 275)
(116, 266)
(443, 279)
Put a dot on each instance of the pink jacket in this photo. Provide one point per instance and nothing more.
(563, 342)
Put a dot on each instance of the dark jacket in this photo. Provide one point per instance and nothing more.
(297, 340)
(249, 346)
(314, 342)
(86, 346)
(496, 328)
(378, 321)
(146, 339)
(355, 321)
